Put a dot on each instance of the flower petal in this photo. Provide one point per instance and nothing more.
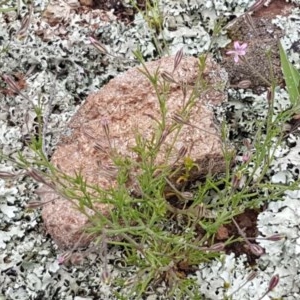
(231, 52)
(243, 46)
(236, 45)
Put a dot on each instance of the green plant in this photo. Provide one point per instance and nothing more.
(166, 254)
(154, 18)
(151, 13)
(160, 240)
(292, 78)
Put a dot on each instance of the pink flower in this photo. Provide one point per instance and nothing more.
(239, 50)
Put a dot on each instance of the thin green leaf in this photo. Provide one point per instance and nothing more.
(291, 77)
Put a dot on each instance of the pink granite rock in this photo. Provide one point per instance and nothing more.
(128, 104)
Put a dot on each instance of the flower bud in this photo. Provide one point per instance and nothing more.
(163, 136)
(187, 195)
(273, 282)
(269, 95)
(61, 260)
(244, 84)
(76, 259)
(11, 83)
(98, 45)
(34, 204)
(105, 125)
(25, 23)
(179, 119)
(167, 77)
(35, 175)
(247, 144)
(251, 276)
(178, 58)
(5, 175)
(100, 147)
(105, 277)
(217, 247)
(275, 237)
(64, 258)
(246, 157)
(184, 90)
(236, 180)
(182, 152)
(256, 249)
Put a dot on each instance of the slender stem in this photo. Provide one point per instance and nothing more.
(240, 231)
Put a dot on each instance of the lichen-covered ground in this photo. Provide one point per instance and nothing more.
(54, 64)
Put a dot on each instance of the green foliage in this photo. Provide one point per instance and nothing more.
(151, 13)
(141, 223)
(162, 241)
(154, 18)
(291, 77)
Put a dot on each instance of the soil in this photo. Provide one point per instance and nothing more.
(121, 11)
(247, 221)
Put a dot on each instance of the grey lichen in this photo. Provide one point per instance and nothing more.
(29, 269)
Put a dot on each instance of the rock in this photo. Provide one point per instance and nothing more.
(125, 106)
(90, 3)
(222, 233)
